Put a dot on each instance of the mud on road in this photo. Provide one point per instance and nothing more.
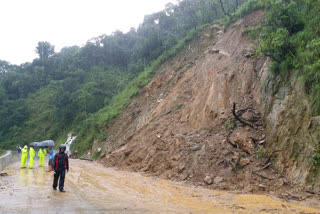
(92, 188)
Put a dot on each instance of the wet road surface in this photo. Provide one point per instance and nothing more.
(91, 188)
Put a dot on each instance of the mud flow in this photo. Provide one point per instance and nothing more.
(91, 188)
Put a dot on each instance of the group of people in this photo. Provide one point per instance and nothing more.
(32, 156)
(58, 163)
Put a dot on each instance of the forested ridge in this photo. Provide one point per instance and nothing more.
(80, 89)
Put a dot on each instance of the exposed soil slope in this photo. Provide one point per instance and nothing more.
(181, 125)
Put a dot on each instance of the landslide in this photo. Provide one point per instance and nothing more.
(182, 127)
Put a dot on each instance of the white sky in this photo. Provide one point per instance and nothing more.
(24, 23)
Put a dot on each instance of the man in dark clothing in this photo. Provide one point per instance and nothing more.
(18, 149)
(60, 165)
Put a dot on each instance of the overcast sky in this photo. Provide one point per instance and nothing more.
(63, 23)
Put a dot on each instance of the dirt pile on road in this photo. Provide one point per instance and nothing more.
(199, 120)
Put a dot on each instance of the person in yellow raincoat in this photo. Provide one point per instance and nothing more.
(24, 156)
(41, 155)
(32, 157)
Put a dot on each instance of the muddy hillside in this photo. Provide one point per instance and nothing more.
(205, 118)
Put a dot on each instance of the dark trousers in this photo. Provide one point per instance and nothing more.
(61, 174)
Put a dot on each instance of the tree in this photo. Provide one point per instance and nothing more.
(223, 9)
(44, 50)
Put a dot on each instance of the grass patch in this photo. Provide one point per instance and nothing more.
(96, 155)
(179, 106)
(260, 153)
(2, 152)
(315, 158)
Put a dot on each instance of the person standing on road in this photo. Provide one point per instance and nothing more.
(50, 164)
(24, 156)
(41, 155)
(60, 165)
(18, 149)
(32, 157)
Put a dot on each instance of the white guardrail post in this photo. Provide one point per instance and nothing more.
(5, 160)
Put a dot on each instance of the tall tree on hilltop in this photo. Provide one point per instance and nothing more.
(44, 50)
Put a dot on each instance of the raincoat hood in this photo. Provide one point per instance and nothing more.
(25, 147)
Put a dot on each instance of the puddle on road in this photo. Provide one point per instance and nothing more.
(92, 188)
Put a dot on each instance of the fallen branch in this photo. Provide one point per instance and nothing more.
(241, 111)
(313, 192)
(262, 176)
(238, 118)
(266, 166)
(257, 142)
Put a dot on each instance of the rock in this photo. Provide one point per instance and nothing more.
(315, 121)
(262, 187)
(213, 50)
(196, 147)
(218, 179)
(281, 182)
(169, 175)
(249, 52)
(181, 167)
(243, 140)
(208, 180)
(244, 162)
(184, 176)
(103, 155)
(226, 152)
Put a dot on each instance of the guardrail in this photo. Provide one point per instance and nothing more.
(5, 160)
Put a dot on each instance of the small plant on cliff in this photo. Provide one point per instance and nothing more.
(153, 119)
(260, 153)
(179, 106)
(315, 158)
(96, 155)
(102, 137)
(252, 32)
(229, 125)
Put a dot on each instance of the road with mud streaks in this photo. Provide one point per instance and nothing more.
(91, 188)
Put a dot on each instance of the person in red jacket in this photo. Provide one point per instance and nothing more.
(60, 165)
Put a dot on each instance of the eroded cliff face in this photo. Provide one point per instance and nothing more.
(181, 126)
(291, 129)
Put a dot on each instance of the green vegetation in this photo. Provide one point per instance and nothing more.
(229, 125)
(153, 119)
(290, 36)
(315, 158)
(96, 155)
(260, 153)
(179, 106)
(252, 32)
